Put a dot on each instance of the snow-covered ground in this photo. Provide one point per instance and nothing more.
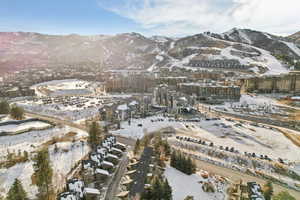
(265, 59)
(293, 47)
(135, 131)
(62, 160)
(29, 141)
(23, 172)
(184, 185)
(69, 154)
(245, 138)
(23, 126)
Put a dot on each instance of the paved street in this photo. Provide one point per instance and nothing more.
(140, 175)
(114, 184)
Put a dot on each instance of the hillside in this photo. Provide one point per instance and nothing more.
(252, 50)
(295, 37)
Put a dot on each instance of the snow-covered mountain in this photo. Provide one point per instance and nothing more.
(295, 37)
(132, 50)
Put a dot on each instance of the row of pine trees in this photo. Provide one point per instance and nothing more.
(182, 163)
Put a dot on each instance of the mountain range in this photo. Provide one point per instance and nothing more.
(19, 50)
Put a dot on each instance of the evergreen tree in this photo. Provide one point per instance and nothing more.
(189, 166)
(268, 190)
(147, 195)
(16, 192)
(137, 147)
(167, 190)
(25, 154)
(182, 163)
(94, 134)
(17, 112)
(284, 196)
(4, 107)
(157, 189)
(43, 174)
(173, 159)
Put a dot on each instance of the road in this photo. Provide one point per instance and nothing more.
(112, 189)
(55, 120)
(140, 176)
(121, 139)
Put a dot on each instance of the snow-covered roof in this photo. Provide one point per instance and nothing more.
(112, 155)
(120, 144)
(115, 149)
(91, 191)
(108, 163)
(102, 171)
(183, 98)
(133, 103)
(295, 98)
(122, 107)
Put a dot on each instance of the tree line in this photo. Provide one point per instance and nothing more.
(182, 163)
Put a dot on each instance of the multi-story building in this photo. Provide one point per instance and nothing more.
(214, 91)
(289, 83)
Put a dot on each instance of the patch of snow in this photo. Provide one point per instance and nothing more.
(293, 47)
(135, 131)
(184, 185)
(159, 57)
(23, 172)
(244, 37)
(122, 107)
(23, 126)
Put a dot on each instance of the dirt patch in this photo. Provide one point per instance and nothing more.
(66, 138)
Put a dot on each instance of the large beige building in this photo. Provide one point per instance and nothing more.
(211, 91)
(289, 83)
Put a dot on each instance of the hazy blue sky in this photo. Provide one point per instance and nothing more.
(150, 17)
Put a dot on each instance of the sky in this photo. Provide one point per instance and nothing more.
(149, 17)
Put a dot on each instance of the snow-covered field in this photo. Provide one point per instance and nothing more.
(135, 131)
(69, 154)
(29, 141)
(62, 160)
(23, 126)
(184, 185)
(23, 172)
(243, 137)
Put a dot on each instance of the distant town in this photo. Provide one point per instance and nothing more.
(81, 132)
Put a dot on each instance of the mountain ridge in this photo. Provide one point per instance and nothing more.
(19, 50)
